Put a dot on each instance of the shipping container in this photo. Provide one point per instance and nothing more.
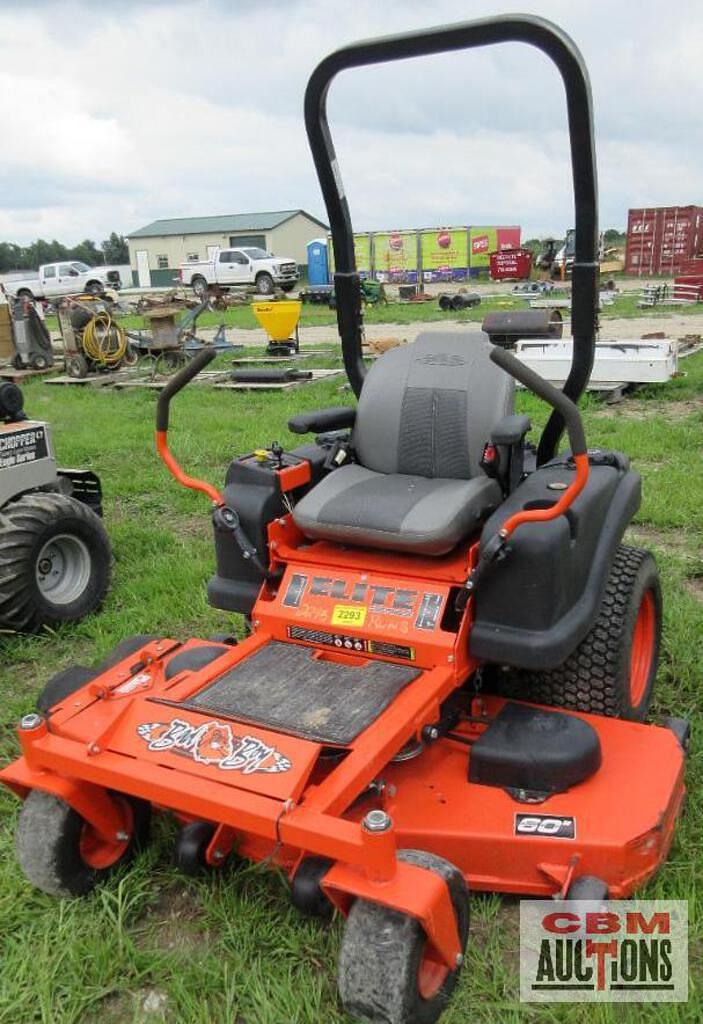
(660, 240)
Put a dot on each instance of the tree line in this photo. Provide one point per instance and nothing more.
(29, 257)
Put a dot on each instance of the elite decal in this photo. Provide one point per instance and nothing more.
(403, 603)
(214, 743)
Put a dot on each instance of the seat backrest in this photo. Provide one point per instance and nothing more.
(428, 408)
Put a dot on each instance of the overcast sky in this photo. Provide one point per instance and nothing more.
(118, 113)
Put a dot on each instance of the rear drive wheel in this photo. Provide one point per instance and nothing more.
(55, 562)
(264, 284)
(612, 671)
(62, 854)
(386, 973)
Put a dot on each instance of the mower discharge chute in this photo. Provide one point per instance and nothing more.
(400, 575)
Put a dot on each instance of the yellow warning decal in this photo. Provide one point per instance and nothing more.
(348, 615)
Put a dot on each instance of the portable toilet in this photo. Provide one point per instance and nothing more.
(318, 266)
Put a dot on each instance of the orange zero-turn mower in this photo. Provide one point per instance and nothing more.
(451, 654)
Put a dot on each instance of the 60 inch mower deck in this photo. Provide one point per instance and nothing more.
(156, 729)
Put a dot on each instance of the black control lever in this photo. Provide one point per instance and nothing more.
(227, 520)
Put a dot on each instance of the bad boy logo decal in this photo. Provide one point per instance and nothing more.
(214, 743)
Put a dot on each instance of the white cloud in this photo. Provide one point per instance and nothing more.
(118, 114)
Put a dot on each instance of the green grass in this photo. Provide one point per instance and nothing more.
(230, 948)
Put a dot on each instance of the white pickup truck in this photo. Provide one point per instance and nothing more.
(249, 265)
(69, 278)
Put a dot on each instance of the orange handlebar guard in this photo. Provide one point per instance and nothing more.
(186, 481)
(541, 515)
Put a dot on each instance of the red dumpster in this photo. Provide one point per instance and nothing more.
(511, 265)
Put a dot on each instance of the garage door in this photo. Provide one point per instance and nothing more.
(237, 241)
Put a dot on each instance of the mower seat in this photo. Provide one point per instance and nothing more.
(425, 412)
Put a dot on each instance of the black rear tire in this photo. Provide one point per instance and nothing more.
(55, 562)
(600, 676)
(382, 953)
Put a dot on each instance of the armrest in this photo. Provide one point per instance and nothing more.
(510, 430)
(321, 420)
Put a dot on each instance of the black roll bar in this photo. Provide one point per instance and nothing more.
(548, 38)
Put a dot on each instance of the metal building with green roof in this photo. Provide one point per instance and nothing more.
(157, 250)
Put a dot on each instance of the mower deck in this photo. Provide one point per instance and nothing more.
(237, 724)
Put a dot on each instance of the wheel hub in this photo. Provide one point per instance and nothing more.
(63, 569)
(642, 651)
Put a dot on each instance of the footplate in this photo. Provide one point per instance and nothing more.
(300, 691)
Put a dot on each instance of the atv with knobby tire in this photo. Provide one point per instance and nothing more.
(55, 554)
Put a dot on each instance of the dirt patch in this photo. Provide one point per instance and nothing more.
(188, 527)
(175, 923)
(694, 587)
(113, 1009)
(645, 536)
(644, 409)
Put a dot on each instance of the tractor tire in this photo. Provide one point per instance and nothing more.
(62, 855)
(55, 562)
(384, 975)
(264, 284)
(612, 670)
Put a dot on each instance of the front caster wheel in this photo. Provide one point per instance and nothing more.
(386, 973)
(191, 846)
(62, 854)
(588, 887)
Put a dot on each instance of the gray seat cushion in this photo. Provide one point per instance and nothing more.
(395, 511)
(428, 408)
(425, 412)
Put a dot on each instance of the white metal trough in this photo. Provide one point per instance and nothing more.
(635, 361)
